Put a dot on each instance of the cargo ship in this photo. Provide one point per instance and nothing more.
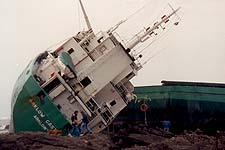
(89, 72)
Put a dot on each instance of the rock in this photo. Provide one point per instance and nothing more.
(198, 131)
(38, 140)
(153, 140)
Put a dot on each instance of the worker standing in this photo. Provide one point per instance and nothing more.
(75, 129)
(166, 125)
(84, 125)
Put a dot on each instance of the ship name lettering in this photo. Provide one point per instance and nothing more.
(51, 126)
(37, 109)
(39, 122)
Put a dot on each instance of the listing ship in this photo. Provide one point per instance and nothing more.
(89, 72)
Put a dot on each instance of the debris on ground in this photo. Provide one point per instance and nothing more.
(130, 138)
(43, 141)
(185, 141)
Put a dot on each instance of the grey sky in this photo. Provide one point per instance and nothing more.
(195, 50)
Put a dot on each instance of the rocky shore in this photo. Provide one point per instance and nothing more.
(144, 139)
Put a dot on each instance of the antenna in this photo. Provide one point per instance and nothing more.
(173, 11)
(85, 17)
(116, 26)
(145, 34)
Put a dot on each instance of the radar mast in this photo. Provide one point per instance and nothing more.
(85, 16)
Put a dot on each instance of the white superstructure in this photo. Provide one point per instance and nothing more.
(91, 72)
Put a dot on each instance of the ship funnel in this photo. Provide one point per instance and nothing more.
(85, 17)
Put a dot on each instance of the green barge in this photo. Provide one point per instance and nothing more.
(188, 105)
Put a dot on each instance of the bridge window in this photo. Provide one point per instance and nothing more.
(106, 115)
(112, 103)
(85, 82)
(92, 105)
(52, 85)
(70, 51)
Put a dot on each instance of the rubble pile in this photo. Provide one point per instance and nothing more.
(127, 138)
(136, 137)
(44, 141)
(186, 141)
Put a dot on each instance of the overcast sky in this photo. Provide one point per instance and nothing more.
(193, 51)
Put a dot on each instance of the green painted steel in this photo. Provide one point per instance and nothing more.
(30, 112)
(186, 105)
(207, 97)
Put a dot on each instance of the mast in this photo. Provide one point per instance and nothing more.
(85, 16)
(116, 26)
(144, 35)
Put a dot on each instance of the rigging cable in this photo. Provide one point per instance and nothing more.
(145, 62)
(129, 17)
(162, 35)
(161, 12)
(57, 43)
(137, 11)
(153, 56)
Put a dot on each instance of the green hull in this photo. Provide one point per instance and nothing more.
(189, 93)
(29, 112)
(188, 105)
